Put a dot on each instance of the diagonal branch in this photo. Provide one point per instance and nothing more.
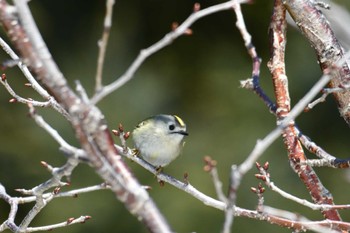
(102, 43)
(87, 121)
(316, 28)
(318, 192)
(165, 41)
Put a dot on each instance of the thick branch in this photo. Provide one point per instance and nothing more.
(87, 121)
(318, 31)
(296, 154)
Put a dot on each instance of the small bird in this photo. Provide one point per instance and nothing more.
(160, 139)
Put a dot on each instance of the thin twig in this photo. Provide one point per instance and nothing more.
(263, 144)
(237, 211)
(17, 98)
(297, 217)
(65, 146)
(15, 201)
(326, 92)
(266, 178)
(70, 221)
(218, 184)
(70, 193)
(235, 177)
(102, 43)
(165, 41)
(34, 84)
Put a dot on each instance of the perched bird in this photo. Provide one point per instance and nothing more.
(160, 139)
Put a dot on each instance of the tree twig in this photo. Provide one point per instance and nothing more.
(165, 41)
(102, 43)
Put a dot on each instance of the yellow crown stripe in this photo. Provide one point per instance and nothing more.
(180, 121)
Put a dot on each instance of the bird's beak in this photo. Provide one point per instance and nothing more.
(183, 133)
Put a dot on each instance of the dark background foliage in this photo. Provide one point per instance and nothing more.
(197, 77)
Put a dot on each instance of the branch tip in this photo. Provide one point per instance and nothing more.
(44, 164)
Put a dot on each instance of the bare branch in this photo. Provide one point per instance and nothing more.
(165, 41)
(266, 178)
(97, 145)
(186, 187)
(102, 43)
(33, 83)
(326, 92)
(210, 166)
(17, 98)
(278, 31)
(70, 221)
(315, 226)
(77, 153)
(297, 224)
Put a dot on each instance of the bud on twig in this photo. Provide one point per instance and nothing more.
(188, 32)
(115, 132)
(161, 183)
(209, 163)
(196, 7)
(186, 178)
(147, 187)
(126, 135)
(254, 190)
(257, 164)
(266, 166)
(44, 164)
(56, 190)
(121, 128)
(174, 25)
(261, 190)
(261, 177)
(70, 220)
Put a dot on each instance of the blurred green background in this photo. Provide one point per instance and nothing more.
(196, 77)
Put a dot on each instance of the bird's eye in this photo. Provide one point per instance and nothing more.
(171, 127)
